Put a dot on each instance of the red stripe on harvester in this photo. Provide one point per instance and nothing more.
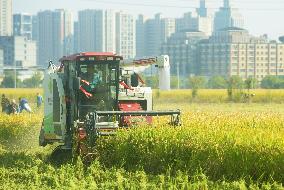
(88, 95)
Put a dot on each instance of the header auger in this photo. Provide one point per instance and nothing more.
(93, 94)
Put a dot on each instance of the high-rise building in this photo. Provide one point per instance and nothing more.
(154, 32)
(91, 30)
(151, 34)
(18, 51)
(6, 18)
(35, 28)
(153, 39)
(196, 21)
(110, 30)
(140, 36)
(202, 10)
(125, 35)
(22, 24)
(96, 30)
(68, 36)
(232, 51)
(55, 33)
(76, 37)
(228, 17)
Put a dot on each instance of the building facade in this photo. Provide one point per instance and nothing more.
(55, 33)
(125, 35)
(233, 51)
(22, 24)
(18, 51)
(182, 50)
(6, 18)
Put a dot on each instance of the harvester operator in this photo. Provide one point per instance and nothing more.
(91, 88)
(91, 78)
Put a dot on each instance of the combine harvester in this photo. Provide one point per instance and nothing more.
(94, 94)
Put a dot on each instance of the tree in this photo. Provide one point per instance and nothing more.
(250, 83)
(174, 82)
(234, 83)
(9, 80)
(217, 82)
(34, 82)
(272, 82)
(196, 83)
(152, 81)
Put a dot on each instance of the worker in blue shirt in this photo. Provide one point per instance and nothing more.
(23, 105)
(38, 100)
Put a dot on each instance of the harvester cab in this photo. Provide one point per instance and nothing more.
(93, 94)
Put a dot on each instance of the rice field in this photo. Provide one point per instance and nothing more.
(219, 146)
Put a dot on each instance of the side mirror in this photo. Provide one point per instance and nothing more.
(77, 83)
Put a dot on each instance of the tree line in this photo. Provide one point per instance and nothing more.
(35, 81)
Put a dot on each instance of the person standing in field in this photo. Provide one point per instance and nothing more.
(5, 104)
(38, 100)
(23, 105)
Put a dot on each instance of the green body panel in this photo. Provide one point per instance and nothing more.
(48, 124)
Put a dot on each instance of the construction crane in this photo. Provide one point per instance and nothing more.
(92, 94)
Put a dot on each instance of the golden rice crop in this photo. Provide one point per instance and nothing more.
(19, 131)
(12, 93)
(217, 96)
(230, 145)
(230, 142)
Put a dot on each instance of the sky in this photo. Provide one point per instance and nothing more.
(261, 16)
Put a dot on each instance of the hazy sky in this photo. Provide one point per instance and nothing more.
(261, 16)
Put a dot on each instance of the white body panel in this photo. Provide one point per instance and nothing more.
(54, 106)
(138, 94)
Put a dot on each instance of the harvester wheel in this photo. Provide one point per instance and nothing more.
(60, 155)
